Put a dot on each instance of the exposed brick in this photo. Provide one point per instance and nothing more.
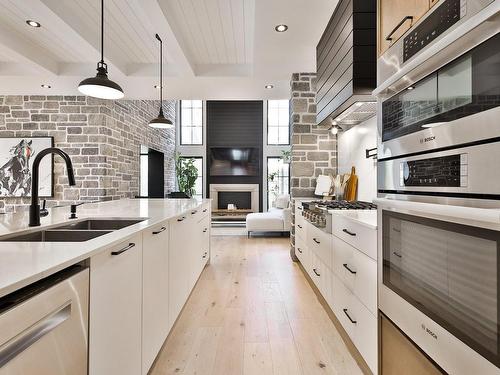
(20, 114)
(40, 117)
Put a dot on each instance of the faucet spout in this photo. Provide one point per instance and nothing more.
(35, 206)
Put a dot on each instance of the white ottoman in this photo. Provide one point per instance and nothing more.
(273, 221)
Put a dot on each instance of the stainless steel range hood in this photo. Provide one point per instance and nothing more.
(346, 65)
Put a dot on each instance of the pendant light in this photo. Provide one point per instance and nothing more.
(161, 122)
(101, 86)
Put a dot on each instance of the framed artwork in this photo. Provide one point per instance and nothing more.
(16, 161)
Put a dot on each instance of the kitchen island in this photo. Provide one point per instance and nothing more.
(140, 275)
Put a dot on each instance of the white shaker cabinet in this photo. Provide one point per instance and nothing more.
(115, 309)
(155, 320)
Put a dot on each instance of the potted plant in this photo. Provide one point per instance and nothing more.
(186, 174)
(286, 156)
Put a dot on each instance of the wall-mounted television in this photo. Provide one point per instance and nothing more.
(230, 161)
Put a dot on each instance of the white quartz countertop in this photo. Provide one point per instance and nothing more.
(365, 217)
(22, 263)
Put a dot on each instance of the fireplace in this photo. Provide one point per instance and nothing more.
(234, 201)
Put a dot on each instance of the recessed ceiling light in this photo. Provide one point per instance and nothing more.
(33, 23)
(269, 87)
(281, 28)
(46, 86)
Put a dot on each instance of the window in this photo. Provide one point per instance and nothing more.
(198, 185)
(191, 122)
(278, 178)
(278, 122)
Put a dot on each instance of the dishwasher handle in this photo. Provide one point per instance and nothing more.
(31, 335)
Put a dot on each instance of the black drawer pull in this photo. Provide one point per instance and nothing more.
(352, 321)
(406, 18)
(300, 226)
(315, 240)
(397, 254)
(118, 252)
(396, 230)
(181, 219)
(162, 229)
(347, 268)
(205, 210)
(205, 230)
(204, 255)
(298, 249)
(193, 212)
(349, 232)
(316, 272)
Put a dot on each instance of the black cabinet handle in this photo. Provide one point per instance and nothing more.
(406, 18)
(300, 208)
(205, 230)
(204, 255)
(349, 232)
(205, 210)
(396, 230)
(300, 226)
(298, 249)
(316, 272)
(352, 321)
(162, 229)
(315, 240)
(118, 252)
(193, 212)
(181, 219)
(347, 268)
(397, 254)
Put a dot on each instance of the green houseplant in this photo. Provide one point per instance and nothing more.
(186, 174)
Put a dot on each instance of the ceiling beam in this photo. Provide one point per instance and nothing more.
(22, 50)
(151, 13)
(72, 29)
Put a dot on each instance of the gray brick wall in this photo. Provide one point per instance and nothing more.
(102, 137)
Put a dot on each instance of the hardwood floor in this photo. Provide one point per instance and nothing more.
(253, 312)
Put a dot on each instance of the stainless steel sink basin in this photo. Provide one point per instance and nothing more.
(51, 235)
(99, 224)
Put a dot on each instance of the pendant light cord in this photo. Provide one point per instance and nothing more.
(161, 70)
(102, 31)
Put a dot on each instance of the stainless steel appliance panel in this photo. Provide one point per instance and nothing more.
(47, 334)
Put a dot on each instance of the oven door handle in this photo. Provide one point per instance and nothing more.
(405, 18)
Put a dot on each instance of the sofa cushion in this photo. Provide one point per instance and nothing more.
(282, 201)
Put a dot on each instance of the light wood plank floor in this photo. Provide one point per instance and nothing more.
(253, 312)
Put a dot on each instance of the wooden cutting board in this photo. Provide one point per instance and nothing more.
(351, 187)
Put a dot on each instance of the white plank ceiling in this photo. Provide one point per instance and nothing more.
(213, 49)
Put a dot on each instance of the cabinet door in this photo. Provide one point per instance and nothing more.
(179, 264)
(155, 321)
(392, 13)
(115, 309)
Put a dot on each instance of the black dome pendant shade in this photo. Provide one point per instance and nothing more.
(161, 122)
(101, 86)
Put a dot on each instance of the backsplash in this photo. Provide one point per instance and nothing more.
(102, 137)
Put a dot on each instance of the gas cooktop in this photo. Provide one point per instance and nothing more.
(340, 205)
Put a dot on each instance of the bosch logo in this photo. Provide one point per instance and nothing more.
(429, 332)
(428, 139)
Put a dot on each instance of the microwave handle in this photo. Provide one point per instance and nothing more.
(406, 18)
(31, 335)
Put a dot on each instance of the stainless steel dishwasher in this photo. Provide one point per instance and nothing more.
(44, 327)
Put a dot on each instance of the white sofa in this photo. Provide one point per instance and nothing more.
(277, 219)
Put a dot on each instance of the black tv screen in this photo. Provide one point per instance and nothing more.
(226, 161)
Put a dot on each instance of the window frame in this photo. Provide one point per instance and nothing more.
(267, 179)
(180, 124)
(267, 126)
(202, 174)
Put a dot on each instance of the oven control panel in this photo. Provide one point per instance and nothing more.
(444, 171)
(445, 16)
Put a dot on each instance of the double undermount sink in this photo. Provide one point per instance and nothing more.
(78, 231)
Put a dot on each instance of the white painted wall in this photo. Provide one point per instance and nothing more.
(351, 152)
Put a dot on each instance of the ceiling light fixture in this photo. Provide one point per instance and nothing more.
(46, 86)
(410, 88)
(281, 28)
(161, 122)
(101, 86)
(269, 87)
(33, 23)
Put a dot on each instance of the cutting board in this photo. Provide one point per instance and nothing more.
(351, 187)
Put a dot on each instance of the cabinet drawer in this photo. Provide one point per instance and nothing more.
(302, 253)
(322, 277)
(359, 323)
(320, 243)
(356, 234)
(300, 224)
(357, 271)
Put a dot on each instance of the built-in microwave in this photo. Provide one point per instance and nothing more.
(439, 281)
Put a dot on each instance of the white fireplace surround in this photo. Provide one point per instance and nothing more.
(250, 188)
